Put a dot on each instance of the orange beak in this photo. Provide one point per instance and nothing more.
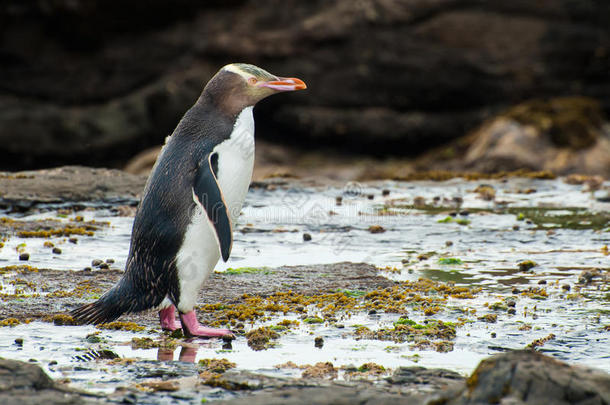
(286, 84)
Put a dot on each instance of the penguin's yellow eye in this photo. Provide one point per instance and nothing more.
(252, 80)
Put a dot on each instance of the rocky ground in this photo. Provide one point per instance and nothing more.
(244, 295)
(519, 377)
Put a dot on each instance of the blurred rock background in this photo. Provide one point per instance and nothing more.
(394, 86)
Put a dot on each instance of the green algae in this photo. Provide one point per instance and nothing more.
(449, 260)
(449, 219)
(247, 270)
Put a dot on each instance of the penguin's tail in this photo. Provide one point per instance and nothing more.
(114, 303)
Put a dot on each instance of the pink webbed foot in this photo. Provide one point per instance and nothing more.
(168, 320)
(191, 327)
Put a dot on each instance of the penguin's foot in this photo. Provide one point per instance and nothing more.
(167, 317)
(191, 327)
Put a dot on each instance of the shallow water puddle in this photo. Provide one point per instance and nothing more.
(442, 231)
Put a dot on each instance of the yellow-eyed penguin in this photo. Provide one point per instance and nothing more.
(191, 201)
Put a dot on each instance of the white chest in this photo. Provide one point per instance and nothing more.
(236, 161)
(199, 252)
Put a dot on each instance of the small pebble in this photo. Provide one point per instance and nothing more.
(306, 237)
(318, 342)
(465, 213)
(385, 192)
(53, 363)
(370, 196)
(542, 282)
(566, 287)
(372, 312)
(453, 214)
(376, 229)
(87, 269)
(493, 335)
(96, 262)
(448, 243)
(339, 200)
(516, 227)
(73, 240)
(56, 250)
(130, 398)
(104, 266)
(516, 291)
(109, 261)
(511, 303)
(511, 311)
(24, 256)
(19, 341)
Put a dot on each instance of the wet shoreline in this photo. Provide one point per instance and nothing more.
(391, 275)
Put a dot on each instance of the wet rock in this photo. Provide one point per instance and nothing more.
(528, 377)
(318, 342)
(426, 378)
(56, 250)
(527, 265)
(563, 135)
(306, 237)
(376, 229)
(27, 384)
(320, 370)
(116, 93)
(96, 262)
(24, 256)
(24, 190)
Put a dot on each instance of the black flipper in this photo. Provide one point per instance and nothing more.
(210, 196)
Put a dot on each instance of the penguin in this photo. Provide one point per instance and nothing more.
(191, 201)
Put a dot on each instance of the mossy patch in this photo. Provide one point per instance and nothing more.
(573, 122)
(216, 365)
(60, 320)
(450, 219)
(527, 265)
(126, 326)
(410, 332)
(449, 260)
(313, 320)
(443, 175)
(47, 228)
(10, 322)
(261, 338)
(321, 370)
(149, 343)
(246, 270)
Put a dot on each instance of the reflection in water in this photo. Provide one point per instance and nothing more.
(188, 352)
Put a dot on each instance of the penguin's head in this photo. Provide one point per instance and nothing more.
(240, 85)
